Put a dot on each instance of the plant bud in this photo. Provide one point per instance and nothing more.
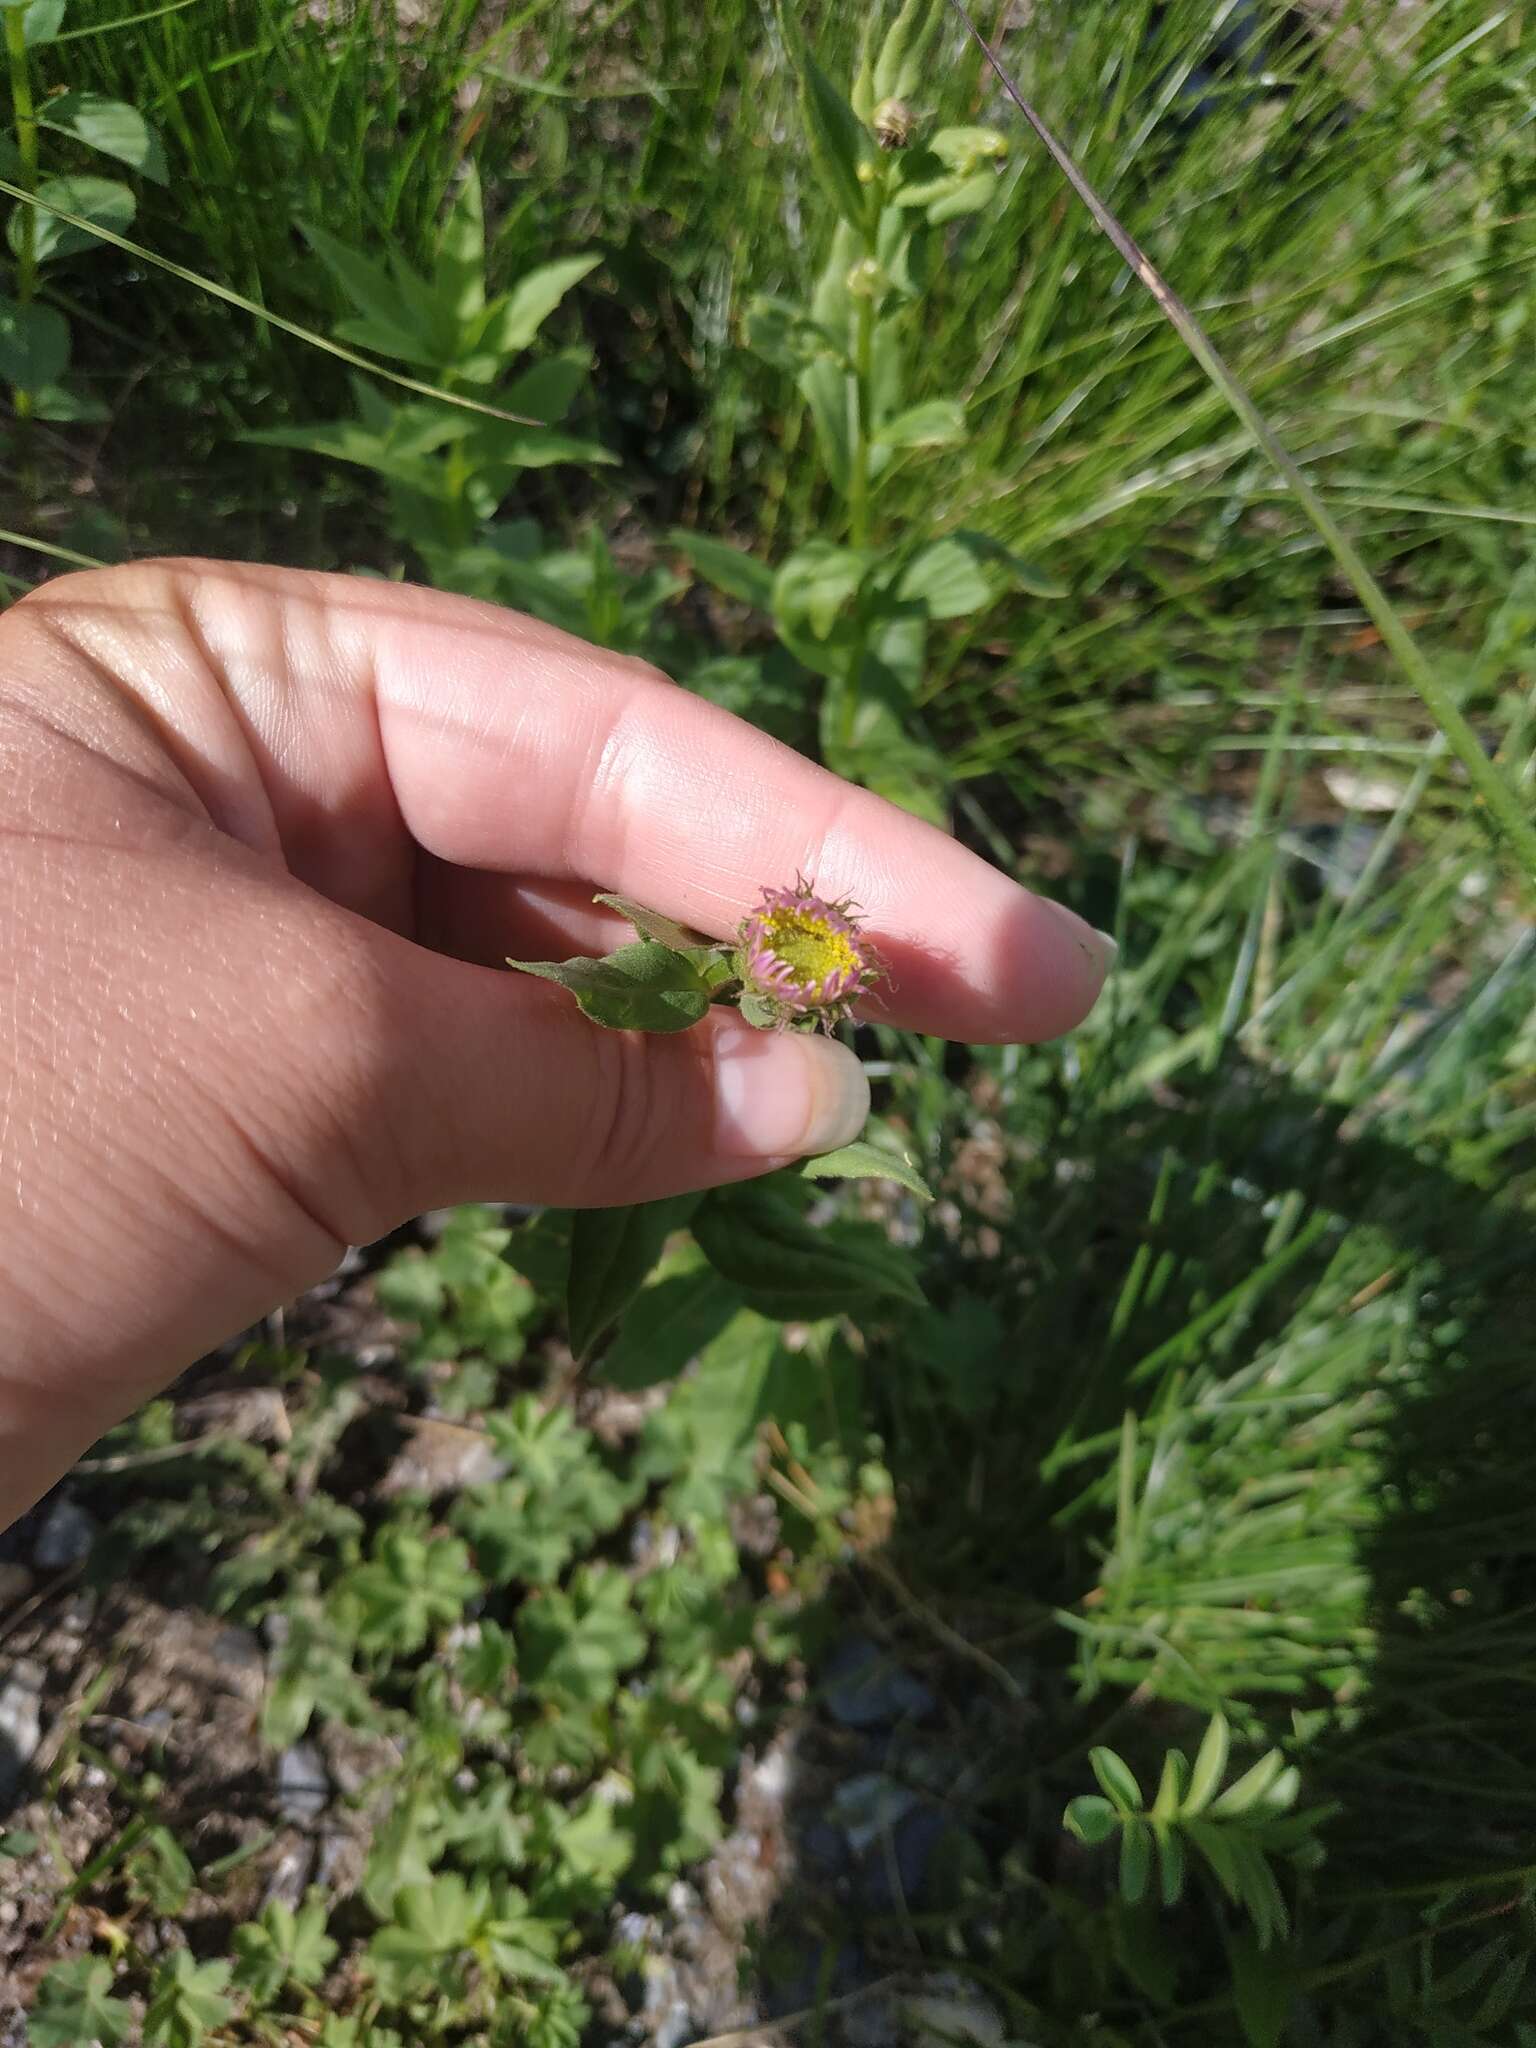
(893, 121)
(866, 280)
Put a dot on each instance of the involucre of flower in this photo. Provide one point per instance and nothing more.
(803, 960)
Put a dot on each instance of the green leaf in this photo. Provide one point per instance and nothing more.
(1263, 1986)
(1170, 1786)
(668, 1324)
(283, 1947)
(831, 393)
(74, 2005)
(101, 200)
(1117, 1779)
(108, 125)
(17, 1842)
(58, 402)
(1251, 1788)
(612, 1254)
(946, 579)
(838, 141)
(413, 1585)
(576, 1643)
(814, 592)
(937, 423)
(391, 324)
(644, 987)
(1092, 1819)
(732, 570)
(432, 1926)
(968, 195)
(1210, 1765)
(513, 321)
(1170, 1858)
(898, 66)
(1135, 1859)
(186, 1999)
(34, 344)
(792, 1270)
(458, 271)
(42, 22)
(653, 924)
(863, 1161)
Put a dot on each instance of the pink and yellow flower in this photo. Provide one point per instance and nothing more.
(804, 958)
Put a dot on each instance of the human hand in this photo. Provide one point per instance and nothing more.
(267, 836)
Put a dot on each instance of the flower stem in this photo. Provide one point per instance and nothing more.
(26, 150)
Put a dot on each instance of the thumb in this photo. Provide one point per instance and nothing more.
(516, 1096)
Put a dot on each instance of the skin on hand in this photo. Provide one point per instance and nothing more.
(268, 837)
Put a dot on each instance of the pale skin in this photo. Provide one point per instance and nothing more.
(268, 837)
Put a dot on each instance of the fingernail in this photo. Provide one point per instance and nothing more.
(1097, 947)
(1110, 947)
(785, 1096)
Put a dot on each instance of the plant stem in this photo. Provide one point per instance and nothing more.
(26, 150)
(858, 476)
(1499, 796)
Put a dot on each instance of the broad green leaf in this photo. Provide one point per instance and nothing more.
(668, 1324)
(101, 200)
(1091, 1818)
(653, 924)
(831, 393)
(612, 1254)
(1170, 1786)
(792, 1270)
(458, 271)
(839, 142)
(544, 391)
(74, 2004)
(814, 591)
(1117, 1779)
(938, 423)
(1210, 1765)
(34, 344)
(732, 570)
(186, 2000)
(644, 987)
(863, 1161)
(512, 321)
(42, 22)
(108, 125)
(946, 579)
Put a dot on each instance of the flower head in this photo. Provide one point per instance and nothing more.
(803, 958)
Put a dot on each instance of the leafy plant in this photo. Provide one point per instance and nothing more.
(35, 338)
(1236, 1832)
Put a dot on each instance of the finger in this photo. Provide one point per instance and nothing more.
(489, 918)
(379, 714)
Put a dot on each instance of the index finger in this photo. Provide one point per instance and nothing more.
(499, 743)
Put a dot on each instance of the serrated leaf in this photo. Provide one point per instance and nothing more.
(654, 924)
(792, 1271)
(732, 570)
(1116, 1778)
(668, 1324)
(186, 2000)
(34, 344)
(102, 200)
(612, 1254)
(111, 126)
(644, 987)
(73, 2004)
(863, 1161)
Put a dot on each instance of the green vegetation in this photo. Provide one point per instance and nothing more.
(1183, 1446)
